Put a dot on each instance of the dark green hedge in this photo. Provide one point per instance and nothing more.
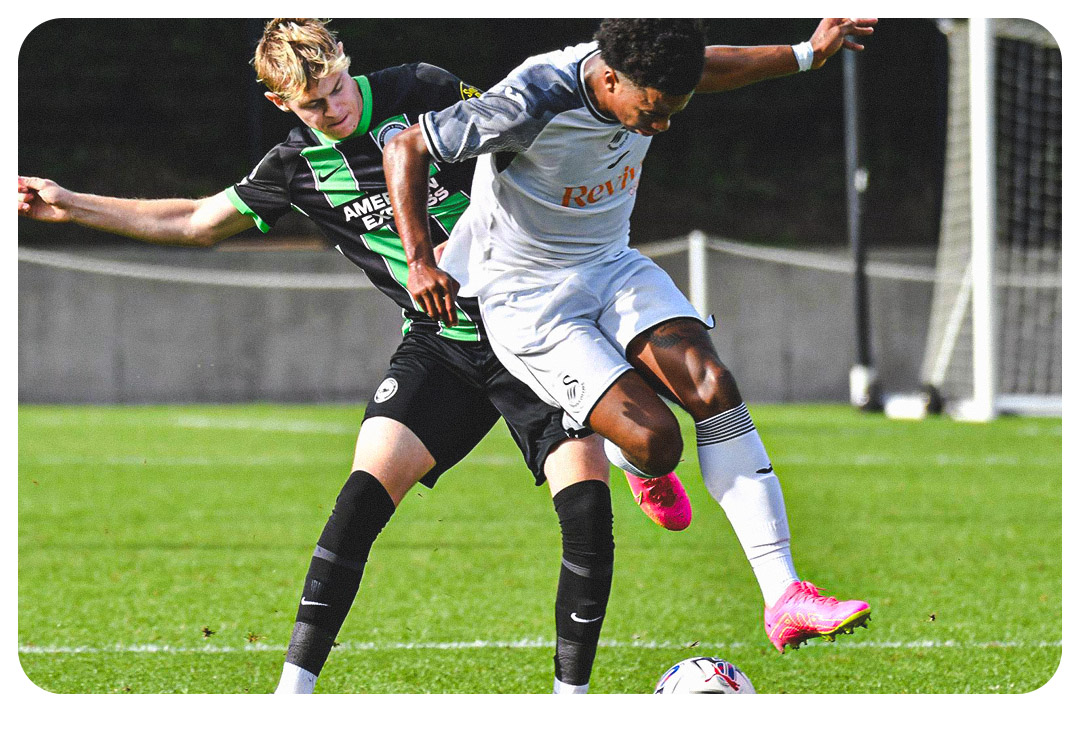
(153, 108)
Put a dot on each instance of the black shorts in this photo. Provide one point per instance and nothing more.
(450, 393)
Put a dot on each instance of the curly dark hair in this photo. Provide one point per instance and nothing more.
(665, 54)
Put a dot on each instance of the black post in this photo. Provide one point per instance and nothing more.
(256, 104)
(863, 378)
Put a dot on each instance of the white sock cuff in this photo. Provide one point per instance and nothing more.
(724, 426)
(563, 688)
(295, 680)
(616, 457)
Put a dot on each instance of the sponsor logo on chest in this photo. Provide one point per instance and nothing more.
(375, 210)
(583, 195)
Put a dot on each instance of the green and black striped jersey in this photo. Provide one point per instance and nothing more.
(341, 187)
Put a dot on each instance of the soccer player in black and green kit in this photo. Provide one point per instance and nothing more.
(444, 389)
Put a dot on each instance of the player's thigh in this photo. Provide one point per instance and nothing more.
(638, 295)
(627, 411)
(552, 444)
(679, 355)
(633, 417)
(393, 454)
(571, 367)
(433, 389)
(663, 336)
(577, 460)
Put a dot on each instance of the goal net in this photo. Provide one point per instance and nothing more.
(994, 341)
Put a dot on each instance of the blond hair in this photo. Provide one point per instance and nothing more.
(294, 52)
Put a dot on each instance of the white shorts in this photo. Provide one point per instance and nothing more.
(568, 340)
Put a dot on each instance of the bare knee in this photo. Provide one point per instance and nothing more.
(714, 391)
(657, 448)
(575, 460)
(393, 454)
(636, 420)
(679, 355)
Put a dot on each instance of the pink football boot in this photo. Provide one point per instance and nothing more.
(801, 614)
(663, 499)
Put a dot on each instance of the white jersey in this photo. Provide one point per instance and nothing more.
(555, 183)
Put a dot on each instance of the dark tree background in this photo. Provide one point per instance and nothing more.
(155, 108)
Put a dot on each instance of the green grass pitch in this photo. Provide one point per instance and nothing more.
(162, 549)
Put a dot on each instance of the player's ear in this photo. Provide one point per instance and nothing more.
(611, 79)
(341, 50)
(276, 100)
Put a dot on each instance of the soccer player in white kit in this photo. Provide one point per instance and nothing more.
(590, 324)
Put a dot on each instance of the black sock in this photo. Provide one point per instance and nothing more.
(584, 511)
(362, 509)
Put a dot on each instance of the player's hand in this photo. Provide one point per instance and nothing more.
(43, 199)
(832, 35)
(434, 291)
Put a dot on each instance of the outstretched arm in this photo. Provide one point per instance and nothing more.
(177, 221)
(730, 67)
(405, 164)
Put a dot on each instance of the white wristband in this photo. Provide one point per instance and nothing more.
(804, 55)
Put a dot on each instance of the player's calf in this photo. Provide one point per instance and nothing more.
(739, 475)
(584, 511)
(361, 511)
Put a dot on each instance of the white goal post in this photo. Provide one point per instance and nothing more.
(994, 344)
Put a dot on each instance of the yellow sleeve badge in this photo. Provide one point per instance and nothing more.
(468, 91)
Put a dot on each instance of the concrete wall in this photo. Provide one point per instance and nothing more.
(785, 331)
(104, 339)
(788, 332)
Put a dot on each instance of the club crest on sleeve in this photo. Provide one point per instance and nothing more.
(386, 390)
(388, 129)
(468, 91)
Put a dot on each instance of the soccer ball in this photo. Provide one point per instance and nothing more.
(704, 675)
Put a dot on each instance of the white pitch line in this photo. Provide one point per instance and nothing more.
(937, 460)
(200, 422)
(524, 643)
(204, 461)
(510, 460)
(266, 425)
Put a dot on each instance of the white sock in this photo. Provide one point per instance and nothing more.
(738, 474)
(615, 456)
(295, 680)
(562, 688)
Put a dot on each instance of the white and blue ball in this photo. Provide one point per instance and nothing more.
(704, 675)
